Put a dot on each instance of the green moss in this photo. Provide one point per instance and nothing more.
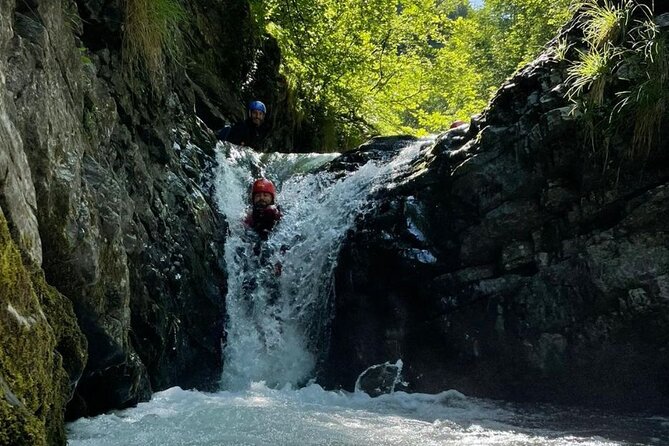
(42, 355)
(71, 348)
(72, 343)
(19, 427)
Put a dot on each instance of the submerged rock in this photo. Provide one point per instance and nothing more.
(380, 379)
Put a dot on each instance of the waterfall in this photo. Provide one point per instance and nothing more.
(276, 325)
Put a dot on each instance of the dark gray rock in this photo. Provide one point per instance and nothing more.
(381, 379)
(105, 183)
(377, 149)
(515, 266)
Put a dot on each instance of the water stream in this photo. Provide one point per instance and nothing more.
(276, 330)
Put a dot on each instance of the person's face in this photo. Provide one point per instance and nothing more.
(262, 198)
(257, 117)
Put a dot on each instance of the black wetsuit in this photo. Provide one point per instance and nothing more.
(246, 133)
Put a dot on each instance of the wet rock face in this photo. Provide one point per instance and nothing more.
(43, 354)
(512, 265)
(379, 149)
(105, 184)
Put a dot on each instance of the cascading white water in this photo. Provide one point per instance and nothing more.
(276, 323)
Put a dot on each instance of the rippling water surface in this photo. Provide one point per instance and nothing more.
(313, 416)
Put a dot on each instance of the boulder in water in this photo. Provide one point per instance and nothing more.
(380, 379)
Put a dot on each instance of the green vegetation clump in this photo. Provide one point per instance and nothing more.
(364, 68)
(590, 74)
(36, 324)
(605, 22)
(620, 79)
(152, 34)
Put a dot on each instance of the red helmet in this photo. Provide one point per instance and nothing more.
(457, 124)
(263, 185)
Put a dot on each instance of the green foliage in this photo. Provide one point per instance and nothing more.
(512, 33)
(378, 66)
(152, 32)
(83, 56)
(590, 74)
(560, 49)
(622, 76)
(362, 66)
(605, 23)
(647, 60)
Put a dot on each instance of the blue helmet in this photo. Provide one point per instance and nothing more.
(257, 105)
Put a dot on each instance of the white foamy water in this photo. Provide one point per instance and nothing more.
(277, 326)
(312, 416)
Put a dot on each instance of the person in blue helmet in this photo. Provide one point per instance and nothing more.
(250, 132)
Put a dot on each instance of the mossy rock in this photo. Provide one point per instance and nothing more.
(43, 351)
(19, 427)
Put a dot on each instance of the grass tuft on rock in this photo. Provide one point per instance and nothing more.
(620, 81)
(152, 35)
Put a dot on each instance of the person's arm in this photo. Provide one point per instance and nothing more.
(222, 133)
(237, 134)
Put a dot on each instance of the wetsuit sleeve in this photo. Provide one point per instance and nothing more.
(273, 213)
(222, 133)
(238, 134)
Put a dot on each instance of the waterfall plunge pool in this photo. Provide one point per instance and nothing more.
(312, 416)
(275, 331)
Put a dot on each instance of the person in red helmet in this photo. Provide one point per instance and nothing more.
(264, 213)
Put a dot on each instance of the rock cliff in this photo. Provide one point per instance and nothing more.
(104, 185)
(43, 353)
(514, 263)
